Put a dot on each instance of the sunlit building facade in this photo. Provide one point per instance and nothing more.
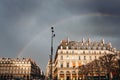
(17, 68)
(48, 70)
(71, 55)
(47, 73)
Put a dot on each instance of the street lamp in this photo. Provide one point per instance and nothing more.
(53, 35)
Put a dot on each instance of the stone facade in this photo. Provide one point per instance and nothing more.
(71, 55)
(17, 68)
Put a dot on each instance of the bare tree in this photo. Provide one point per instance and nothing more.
(107, 62)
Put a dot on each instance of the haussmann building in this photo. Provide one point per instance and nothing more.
(19, 69)
(71, 55)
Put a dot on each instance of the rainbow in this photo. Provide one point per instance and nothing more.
(58, 23)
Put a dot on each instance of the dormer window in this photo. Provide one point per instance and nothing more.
(89, 48)
(66, 47)
(104, 48)
(99, 48)
(61, 47)
(94, 48)
(72, 47)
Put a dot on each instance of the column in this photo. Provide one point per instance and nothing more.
(65, 76)
(71, 76)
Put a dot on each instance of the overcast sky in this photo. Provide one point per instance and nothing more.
(25, 25)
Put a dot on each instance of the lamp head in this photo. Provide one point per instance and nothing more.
(51, 27)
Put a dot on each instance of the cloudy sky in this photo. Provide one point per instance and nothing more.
(25, 25)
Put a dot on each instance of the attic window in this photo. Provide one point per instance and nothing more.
(99, 48)
(104, 48)
(66, 47)
(72, 47)
(89, 48)
(61, 47)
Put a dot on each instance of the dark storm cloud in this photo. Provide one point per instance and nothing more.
(10, 13)
(25, 24)
(102, 6)
(109, 26)
(96, 25)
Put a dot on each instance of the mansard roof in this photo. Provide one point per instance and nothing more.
(18, 60)
(84, 45)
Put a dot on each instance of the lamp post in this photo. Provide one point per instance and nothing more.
(52, 36)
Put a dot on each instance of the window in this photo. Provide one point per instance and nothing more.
(84, 57)
(83, 52)
(61, 52)
(79, 57)
(100, 52)
(61, 65)
(95, 57)
(73, 63)
(67, 52)
(67, 65)
(90, 58)
(61, 57)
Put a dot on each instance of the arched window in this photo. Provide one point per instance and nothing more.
(67, 72)
(61, 72)
(73, 72)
